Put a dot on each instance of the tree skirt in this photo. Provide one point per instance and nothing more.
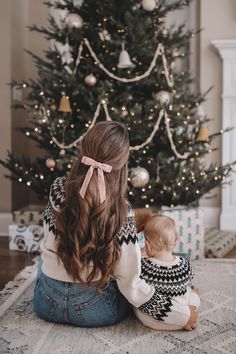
(23, 332)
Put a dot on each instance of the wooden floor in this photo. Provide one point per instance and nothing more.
(11, 262)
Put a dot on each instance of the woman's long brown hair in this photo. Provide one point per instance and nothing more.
(87, 229)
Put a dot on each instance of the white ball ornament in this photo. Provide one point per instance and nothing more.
(74, 21)
(163, 97)
(50, 163)
(139, 177)
(90, 80)
(149, 5)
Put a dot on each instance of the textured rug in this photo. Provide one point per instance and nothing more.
(23, 332)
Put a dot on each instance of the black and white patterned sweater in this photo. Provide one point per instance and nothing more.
(138, 292)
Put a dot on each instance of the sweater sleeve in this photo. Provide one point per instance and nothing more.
(136, 290)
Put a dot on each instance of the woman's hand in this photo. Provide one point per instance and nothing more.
(192, 322)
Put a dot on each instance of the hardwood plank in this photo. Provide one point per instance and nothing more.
(11, 262)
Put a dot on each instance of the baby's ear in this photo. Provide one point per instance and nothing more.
(148, 249)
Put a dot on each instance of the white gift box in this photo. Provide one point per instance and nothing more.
(25, 238)
(32, 214)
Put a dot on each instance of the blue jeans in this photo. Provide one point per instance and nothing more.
(77, 304)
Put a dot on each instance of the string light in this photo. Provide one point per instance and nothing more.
(20, 179)
(28, 183)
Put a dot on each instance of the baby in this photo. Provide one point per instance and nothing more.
(169, 274)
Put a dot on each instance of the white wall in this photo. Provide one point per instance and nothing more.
(218, 21)
(15, 16)
(5, 117)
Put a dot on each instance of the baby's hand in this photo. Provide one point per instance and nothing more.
(192, 322)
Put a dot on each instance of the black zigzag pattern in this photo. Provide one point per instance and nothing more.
(57, 192)
(49, 218)
(171, 280)
(157, 307)
(128, 233)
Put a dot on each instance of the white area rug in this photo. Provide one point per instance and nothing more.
(23, 332)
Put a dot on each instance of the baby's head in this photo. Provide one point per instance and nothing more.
(160, 233)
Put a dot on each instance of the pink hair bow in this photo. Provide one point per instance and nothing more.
(101, 167)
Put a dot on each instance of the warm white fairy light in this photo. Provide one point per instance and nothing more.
(20, 179)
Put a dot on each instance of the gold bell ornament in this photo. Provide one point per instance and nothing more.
(124, 59)
(202, 134)
(64, 105)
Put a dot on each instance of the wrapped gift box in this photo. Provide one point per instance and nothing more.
(25, 238)
(189, 223)
(29, 215)
(218, 243)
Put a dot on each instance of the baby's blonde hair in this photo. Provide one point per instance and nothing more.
(161, 230)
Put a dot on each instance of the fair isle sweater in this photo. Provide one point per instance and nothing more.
(137, 291)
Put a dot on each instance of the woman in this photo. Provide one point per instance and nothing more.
(91, 259)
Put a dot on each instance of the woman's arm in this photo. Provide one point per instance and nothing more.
(137, 291)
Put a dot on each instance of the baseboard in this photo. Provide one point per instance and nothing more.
(5, 220)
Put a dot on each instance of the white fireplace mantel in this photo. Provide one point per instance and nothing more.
(227, 51)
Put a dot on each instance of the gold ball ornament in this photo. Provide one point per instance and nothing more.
(90, 80)
(163, 97)
(50, 163)
(165, 32)
(139, 177)
(62, 152)
(74, 21)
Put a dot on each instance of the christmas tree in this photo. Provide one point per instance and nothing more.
(115, 59)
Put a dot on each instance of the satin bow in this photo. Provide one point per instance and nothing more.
(101, 167)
